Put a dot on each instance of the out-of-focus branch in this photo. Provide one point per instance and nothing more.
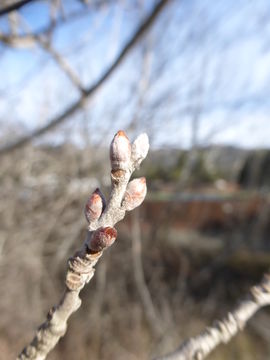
(28, 39)
(44, 42)
(63, 64)
(125, 196)
(143, 84)
(14, 6)
(95, 87)
(222, 331)
(151, 315)
(13, 23)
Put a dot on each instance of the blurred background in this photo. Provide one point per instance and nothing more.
(194, 75)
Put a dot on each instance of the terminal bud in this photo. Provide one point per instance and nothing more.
(120, 151)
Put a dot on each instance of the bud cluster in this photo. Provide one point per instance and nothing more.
(124, 158)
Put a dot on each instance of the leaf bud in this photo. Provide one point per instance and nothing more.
(94, 206)
(135, 193)
(140, 149)
(102, 238)
(120, 151)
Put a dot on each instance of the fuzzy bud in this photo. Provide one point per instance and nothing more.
(102, 238)
(94, 206)
(120, 151)
(140, 149)
(135, 193)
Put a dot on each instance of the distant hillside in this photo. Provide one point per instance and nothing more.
(248, 168)
(203, 166)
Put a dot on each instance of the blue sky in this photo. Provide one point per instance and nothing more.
(211, 56)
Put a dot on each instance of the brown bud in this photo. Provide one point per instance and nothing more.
(120, 151)
(135, 193)
(94, 206)
(102, 238)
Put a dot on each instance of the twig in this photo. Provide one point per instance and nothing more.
(45, 44)
(125, 196)
(61, 61)
(15, 6)
(222, 331)
(28, 40)
(92, 89)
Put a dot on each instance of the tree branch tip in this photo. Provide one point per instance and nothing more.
(100, 236)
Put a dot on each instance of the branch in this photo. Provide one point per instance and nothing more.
(92, 89)
(14, 6)
(62, 63)
(200, 346)
(28, 40)
(125, 196)
(44, 43)
(150, 311)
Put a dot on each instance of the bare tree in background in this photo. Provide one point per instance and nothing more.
(150, 101)
(186, 99)
(43, 39)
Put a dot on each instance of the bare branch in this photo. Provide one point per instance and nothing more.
(15, 6)
(150, 311)
(28, 39)
(92, 89)
(63, 64)
(101, 235)
(222, 331)
(44, 43)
